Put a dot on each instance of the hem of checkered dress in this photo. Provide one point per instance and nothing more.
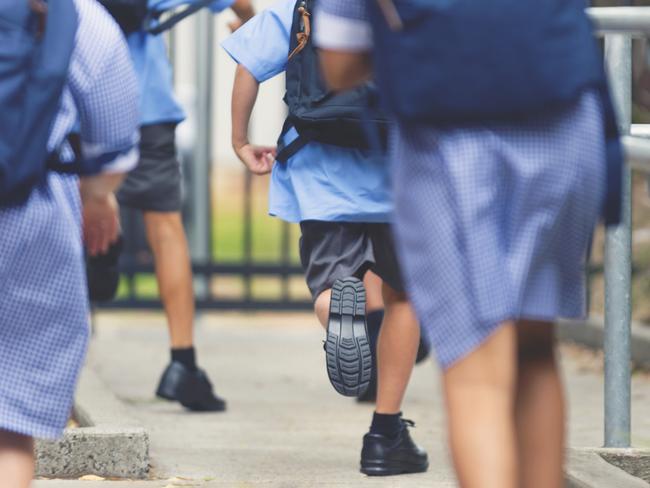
(35, 431)
(470, 344)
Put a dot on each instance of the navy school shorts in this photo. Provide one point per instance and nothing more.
(334, 250)
(155, 185)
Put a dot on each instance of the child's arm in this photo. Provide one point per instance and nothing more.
(259, 160)
(244, 11)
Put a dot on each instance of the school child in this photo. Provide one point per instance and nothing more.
(59, 62)
(498, 187)
(340, 197)
(155, 188)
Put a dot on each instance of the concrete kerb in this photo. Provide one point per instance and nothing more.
(107, 443)
(590, 334)
(634, 461)
(587, 468)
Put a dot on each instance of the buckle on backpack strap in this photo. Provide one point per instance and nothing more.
(39, 7)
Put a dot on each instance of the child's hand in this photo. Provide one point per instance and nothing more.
(258, 159)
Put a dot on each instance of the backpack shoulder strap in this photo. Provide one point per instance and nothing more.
(174, 19)
(291, 149)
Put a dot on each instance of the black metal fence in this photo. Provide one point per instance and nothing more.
(137, 264)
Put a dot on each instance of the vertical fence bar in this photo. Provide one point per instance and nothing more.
(130, 254)
(285, 249)
(200, 222)
(248, 238)
(618, 264)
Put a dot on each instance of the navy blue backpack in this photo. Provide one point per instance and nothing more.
(318, 114)
(36, 43)
(471, 60)
(135, 15)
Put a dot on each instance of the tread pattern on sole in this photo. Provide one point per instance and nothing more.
(348, 355)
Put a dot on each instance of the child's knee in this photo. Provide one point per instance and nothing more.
(535, 342)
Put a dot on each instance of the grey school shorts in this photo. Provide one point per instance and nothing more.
(333, 250)
(155, 184)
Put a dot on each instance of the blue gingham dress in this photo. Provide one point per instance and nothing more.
(43, 303)
(492, 222)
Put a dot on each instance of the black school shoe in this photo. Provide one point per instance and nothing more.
(191, 388)
(347, 349)
(385, 456)
(370, 395)
(103, 274)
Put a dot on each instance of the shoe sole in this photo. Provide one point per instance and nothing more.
(165, 394)
(348, 356)
(218, 407)
(388, 469)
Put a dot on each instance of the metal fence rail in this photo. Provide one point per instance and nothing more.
(637, 149)
(618, 25)
(633, 21)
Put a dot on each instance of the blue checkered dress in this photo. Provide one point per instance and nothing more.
(43, 304)
(492, 222)
(508, 212)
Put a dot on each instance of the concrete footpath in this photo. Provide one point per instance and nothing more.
(285, 426)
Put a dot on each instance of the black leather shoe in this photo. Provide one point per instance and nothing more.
(370, 395)
(191, 388)
(385, 456)
(347, 349)
(103, 274)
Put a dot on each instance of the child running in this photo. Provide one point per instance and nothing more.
(496, 199)
(340, 197)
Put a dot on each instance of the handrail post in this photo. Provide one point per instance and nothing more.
(200, 219)
(618, 263)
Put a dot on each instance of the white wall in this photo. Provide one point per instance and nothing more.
(269, 112)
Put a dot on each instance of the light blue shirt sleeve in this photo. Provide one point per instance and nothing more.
(162, 5)
(149, 55)
(261, 45)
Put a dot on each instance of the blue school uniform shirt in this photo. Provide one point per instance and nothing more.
(320, 182)
(149, 54)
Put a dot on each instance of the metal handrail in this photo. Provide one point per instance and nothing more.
(632, 21)
(637, 152)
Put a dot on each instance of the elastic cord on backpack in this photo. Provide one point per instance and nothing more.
(305, 34)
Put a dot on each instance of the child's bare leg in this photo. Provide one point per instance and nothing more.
(480, 395)
(539, 408)
(374, 295)
(396, 350)
(374, 299)
(322, 307)
(16, 460)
